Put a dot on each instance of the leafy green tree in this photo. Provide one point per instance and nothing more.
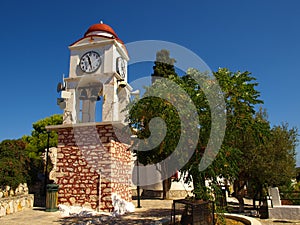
(284, 141)
(14, 163)
(224, 165)
(149, 108)
(163, 66)
(152, 107)
(241, 97)
(254, 147)
(268, 158)
(251, 149)
(37, 142)
(250, 132)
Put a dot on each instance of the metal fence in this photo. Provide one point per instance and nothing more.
(192, 212)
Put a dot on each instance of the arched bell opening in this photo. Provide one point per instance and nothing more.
(89, 96)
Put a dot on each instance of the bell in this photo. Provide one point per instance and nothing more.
(83, 95)
(61, 103)
(59, 100)
(94, 95)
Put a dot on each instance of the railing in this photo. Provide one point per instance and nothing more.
(290, 197)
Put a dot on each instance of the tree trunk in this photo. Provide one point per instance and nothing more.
(254, 200)
(166, 188)
(241, 203)
(239, 194)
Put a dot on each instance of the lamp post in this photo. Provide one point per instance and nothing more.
(136, 95)
(137, 173)
(46, 167)
(138, 182)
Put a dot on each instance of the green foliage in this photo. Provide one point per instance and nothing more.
(240, 99)
(155, 105)
(270, 156)
(290, 193)
(267, 154)
(14, 163)
(252, 152)
(140, 115)
(283, 140)
(163, 66)
(20, 160)
(37, 143)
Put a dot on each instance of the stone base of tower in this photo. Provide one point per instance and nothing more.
(92, 165)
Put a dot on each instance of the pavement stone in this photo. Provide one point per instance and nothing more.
(153, 212)
(278, 222)
(35, 216)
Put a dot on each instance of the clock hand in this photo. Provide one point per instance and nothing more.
(89, 59)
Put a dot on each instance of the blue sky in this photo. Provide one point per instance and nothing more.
(262, 37)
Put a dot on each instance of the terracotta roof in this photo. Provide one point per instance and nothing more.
(100, 30)
(101, 27)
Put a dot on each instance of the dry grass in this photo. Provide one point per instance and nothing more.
(233, 222)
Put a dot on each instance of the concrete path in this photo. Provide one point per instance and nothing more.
(35, 216)
(152, 210)
(279, 222)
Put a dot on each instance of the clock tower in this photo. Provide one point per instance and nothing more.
(93, 167)
(97, 76)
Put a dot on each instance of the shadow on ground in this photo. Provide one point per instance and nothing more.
(146, 217)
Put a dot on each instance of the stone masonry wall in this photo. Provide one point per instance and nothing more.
(92, 165)
(121, 170)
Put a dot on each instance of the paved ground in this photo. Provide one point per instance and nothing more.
(278, 222)
(151, 210)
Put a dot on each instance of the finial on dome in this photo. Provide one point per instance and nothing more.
(101, 22)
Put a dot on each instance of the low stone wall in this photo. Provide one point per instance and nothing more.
(285, 212)
(11, 205)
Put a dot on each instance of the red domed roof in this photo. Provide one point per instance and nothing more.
(100, 30)
(101, 27)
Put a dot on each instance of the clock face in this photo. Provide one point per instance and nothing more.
(121, 67)
(90, 62)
